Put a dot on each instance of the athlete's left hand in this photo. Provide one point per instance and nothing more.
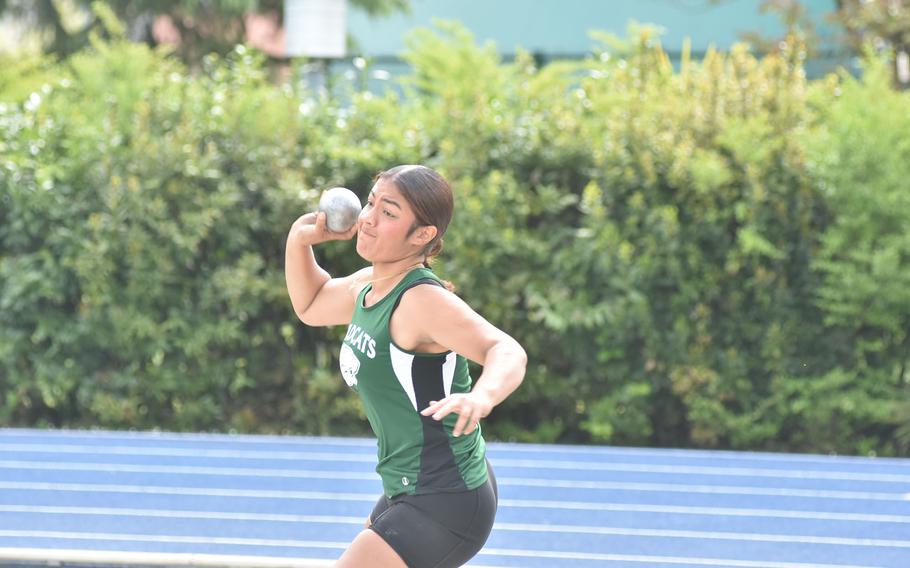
(471, 408)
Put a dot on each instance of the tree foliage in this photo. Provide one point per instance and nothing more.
(714, 256)
(882, 24)
(204, 27)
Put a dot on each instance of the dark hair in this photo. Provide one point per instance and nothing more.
(430, 197)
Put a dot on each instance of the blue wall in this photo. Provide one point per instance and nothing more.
(560, 27)
(554, 29)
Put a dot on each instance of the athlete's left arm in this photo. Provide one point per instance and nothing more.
(441, 317)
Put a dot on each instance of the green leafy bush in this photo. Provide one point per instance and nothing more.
(711, 256)
(142, 210)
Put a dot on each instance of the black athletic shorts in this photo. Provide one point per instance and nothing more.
(437, 530)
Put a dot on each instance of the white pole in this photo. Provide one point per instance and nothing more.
(903, 68)
(315, 28)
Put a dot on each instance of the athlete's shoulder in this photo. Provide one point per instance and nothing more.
(428, 299)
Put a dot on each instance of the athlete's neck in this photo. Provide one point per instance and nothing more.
(386, 275)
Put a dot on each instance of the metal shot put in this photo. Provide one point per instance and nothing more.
(341, 207)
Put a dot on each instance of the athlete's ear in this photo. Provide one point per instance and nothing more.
(424, 234)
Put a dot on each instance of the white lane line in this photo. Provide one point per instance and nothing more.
(177, 514)
(705, 470)
(707, 489)
(526, 482)
(192, 491)
(503, 481)
(704, 535)
(178, 470)
(684, 561)
(673, 453)
(517, 503)
(299, 441)
(509, 552)
(148, 436)
(533, 464)
(306, 454)
(174, 539)
(709, 511)
(186, 452)
(58, 557)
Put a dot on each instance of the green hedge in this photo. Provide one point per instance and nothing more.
(712, 256)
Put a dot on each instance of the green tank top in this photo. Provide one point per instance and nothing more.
(417, 455)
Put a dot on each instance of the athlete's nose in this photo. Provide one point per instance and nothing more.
(365, 216)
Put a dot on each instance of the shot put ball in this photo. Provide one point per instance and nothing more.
(341, 207)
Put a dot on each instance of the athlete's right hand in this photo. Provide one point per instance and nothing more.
(310, 230)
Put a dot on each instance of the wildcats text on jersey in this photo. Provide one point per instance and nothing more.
(359, 338)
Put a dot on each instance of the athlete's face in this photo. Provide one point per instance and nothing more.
(386, 221)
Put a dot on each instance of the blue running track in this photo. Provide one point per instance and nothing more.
(119, 498)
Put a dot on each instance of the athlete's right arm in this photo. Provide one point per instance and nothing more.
(318, 299)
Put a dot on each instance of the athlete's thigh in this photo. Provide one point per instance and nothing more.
(369, 549)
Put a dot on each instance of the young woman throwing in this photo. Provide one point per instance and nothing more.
(405, 353)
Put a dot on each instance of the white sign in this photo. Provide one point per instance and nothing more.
(315, 28)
